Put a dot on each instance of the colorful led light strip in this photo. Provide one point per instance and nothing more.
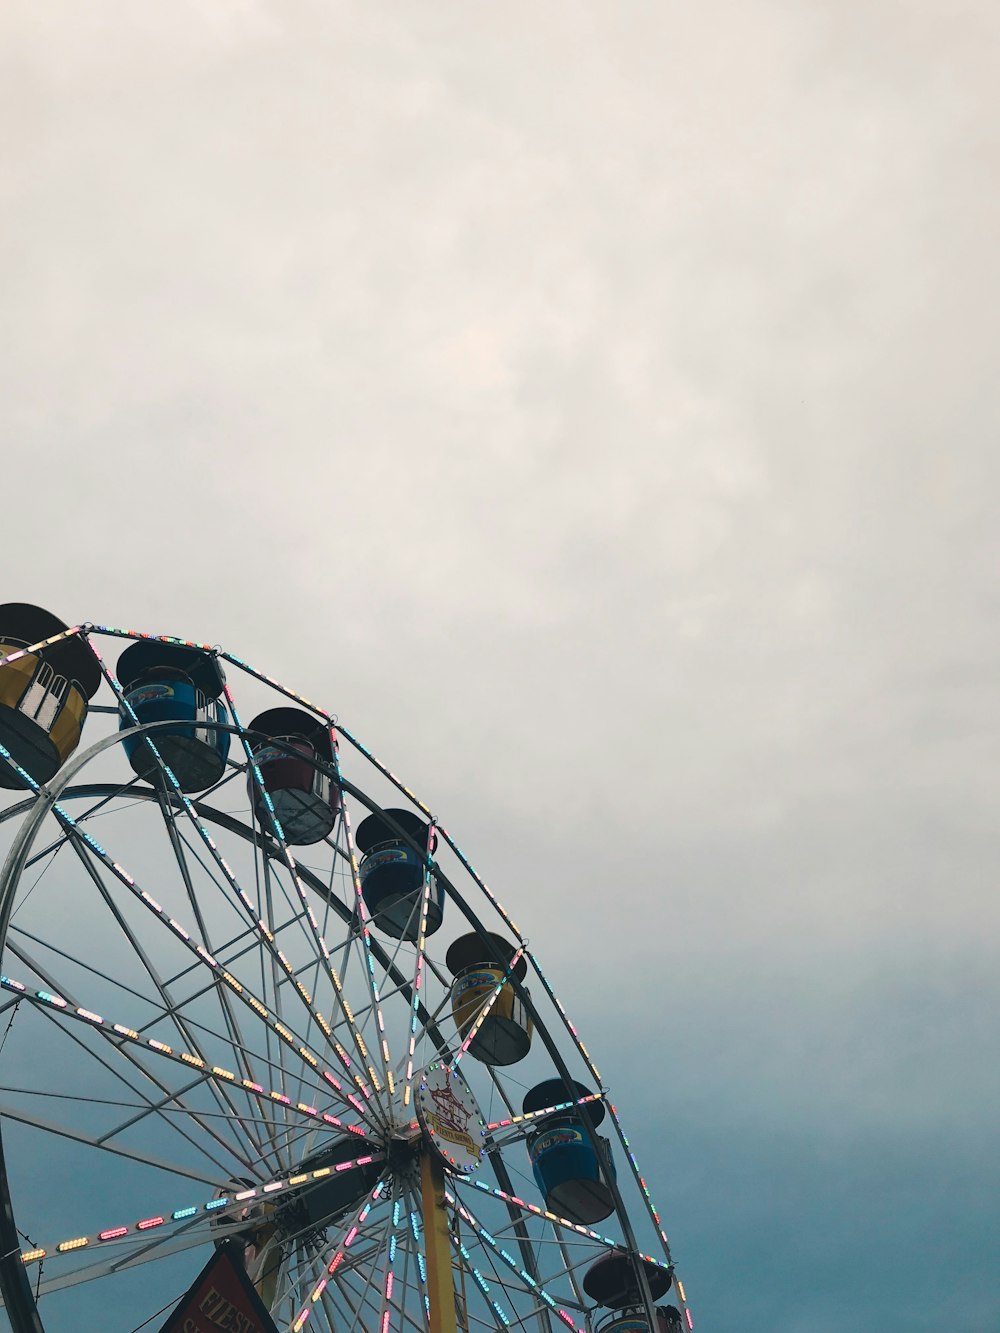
(271, 1190)
(292, 868)
(546, 1110)
(364, 922)
(347, 1240)
(418, 972)
(384, 770)
(533, 1285)
(257, 924)
(484, 1012)
(466, 863)
(619, 1129)
(471, 869)
(542, 1212)
(416, 1226)
(480, 1281)
(565, 1017)
(117, 1031)
(639, 1179)
(389, 1277)
(150, 903)
(34, 648)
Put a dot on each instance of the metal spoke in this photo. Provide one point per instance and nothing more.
(418, 972)
(78, 1136)
(266, 957)
(122, 1049)
(223, 1101)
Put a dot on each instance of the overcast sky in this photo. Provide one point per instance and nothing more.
(596, 405)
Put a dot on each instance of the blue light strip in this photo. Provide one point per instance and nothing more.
(481, 1282)
(416, 1226)
(535, 1287)
(541, 1212)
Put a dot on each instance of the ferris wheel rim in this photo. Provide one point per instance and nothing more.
(252, 834)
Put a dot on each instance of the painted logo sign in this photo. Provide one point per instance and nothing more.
(449, 1117)
(555, 1138)
(147, 693)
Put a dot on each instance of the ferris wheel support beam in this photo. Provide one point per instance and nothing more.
(437, 1245)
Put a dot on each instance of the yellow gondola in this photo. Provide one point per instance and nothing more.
(43, 694)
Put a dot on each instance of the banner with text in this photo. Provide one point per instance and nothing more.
(222, 1298)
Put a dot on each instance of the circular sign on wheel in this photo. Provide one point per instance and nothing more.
(449, 1117)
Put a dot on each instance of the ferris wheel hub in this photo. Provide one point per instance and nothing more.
(453, 1126)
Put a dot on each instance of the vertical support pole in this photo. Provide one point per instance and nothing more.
(14, 1282)
(437, 1245)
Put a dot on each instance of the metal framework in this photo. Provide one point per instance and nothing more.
(207, 1038)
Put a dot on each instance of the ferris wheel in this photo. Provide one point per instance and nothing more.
(258, 1009)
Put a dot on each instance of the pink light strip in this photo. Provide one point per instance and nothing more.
(120, 1032)
(349, 1236)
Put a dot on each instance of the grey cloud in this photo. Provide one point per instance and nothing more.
(595, 405)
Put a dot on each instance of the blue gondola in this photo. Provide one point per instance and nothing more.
(167, 682)
(478, 965)
(288, 745)
(565, 1165)
(668, 1320)
(612, 1281)
(392, 872)
(43, 695)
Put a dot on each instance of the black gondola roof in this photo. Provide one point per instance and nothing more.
(202, 668)
(553, 1091)
(71, 658)
(286, 723)
(611, 1280)
(468, 950)
(374, 829)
